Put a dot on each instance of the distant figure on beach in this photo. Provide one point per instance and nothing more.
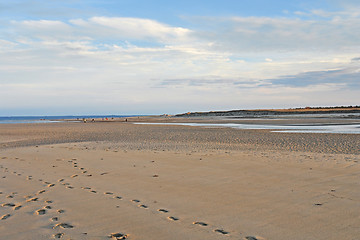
(125, 119)
(84, 120)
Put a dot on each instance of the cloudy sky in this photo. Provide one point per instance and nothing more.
(78, 57)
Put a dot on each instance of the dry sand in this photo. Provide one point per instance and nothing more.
(88, 181)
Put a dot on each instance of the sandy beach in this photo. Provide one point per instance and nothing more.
(118, 180)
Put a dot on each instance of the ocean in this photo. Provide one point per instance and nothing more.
(52, 119)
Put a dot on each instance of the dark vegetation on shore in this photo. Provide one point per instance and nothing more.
(264, 112)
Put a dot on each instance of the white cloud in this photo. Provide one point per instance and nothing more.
(141, 28)
(102, 28)
(130, 29)
(43, 24)
(41, 29)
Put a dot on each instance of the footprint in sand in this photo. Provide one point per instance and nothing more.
(87, 188)
(55, 219)
(108, 193)
(173, 218)
(51, 185)
(47, 207)
(6, 216)
(32, 199)
(93, 191)
(70, 187)
(74, 176)
(200, 224)
(58, 235)
(48, 201)
(63, 225)
(221, 231)
(9, 196)
(17, 207)
(135, 200)
(61, 180)
(41, 191)
(40, 212)
(8, 205)
(163, 210)
(253, 238)
(118, 236)
(118, 197)
(60, 211)
(143, 206)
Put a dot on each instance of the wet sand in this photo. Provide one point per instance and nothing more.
(117, 180)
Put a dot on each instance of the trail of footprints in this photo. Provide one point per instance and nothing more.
(135, 201)
(59, 226)
(161, 210)
(29, 199)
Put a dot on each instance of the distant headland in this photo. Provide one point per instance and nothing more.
(264, 112)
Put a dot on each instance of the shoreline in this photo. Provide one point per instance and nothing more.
(146, 136)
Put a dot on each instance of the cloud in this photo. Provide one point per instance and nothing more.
(133, 28)
(347, 78)
(102, 29)
(135, 63)
(4, 44)
(258, 34)
(210, 82)
(41, 30)
(306, 82)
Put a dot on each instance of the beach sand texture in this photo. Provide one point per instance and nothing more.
(118, 180)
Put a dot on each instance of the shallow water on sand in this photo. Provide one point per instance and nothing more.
(313, 128)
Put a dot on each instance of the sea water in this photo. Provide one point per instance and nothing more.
(323, 128)
(52, 119)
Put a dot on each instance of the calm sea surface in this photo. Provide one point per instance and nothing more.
(52, 119)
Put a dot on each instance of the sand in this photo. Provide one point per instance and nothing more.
(116, 180)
